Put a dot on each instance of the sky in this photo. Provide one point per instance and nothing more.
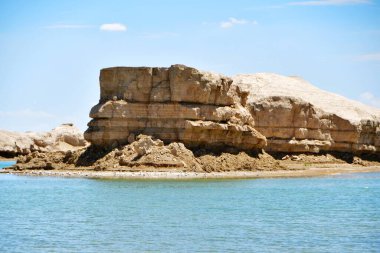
(51, 51)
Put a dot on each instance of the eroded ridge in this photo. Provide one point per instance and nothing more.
(296, 116)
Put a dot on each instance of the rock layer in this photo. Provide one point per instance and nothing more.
(172, 104)
(295, 116)
(182, 104)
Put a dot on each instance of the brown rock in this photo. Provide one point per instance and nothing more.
(144, 144)
(298, 117)
(182, 104)
(176, 104)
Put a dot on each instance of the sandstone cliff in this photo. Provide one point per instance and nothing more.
(296, 116)
(172, 104)
(202, 109)
(62, 138)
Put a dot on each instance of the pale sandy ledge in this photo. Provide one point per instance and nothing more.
(309, 172)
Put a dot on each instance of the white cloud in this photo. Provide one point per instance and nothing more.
(234, 21)
(369, 57)
(67, 26)
(329, 2)
(370, 99)
(113, 27)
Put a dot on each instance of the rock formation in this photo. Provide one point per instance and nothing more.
(62, 138)
(182, 104)
(146, 154)
(172, 104)
(148, 118)
(295, 116)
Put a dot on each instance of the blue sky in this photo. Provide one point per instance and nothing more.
(51, 51)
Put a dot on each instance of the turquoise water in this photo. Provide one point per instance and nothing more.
(4, 164)
(330, 214)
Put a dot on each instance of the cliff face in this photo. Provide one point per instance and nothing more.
(172, 104)
(182, 104)
(295, 116)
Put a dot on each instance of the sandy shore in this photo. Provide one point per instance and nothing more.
(5, 159)
(309, 172)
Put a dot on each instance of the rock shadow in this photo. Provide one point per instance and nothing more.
(217, 151)
(349, 157)
(91, 155)
(344, 156)
(8, 154)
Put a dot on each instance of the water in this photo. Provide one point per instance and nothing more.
(330, 214)
(4, 164)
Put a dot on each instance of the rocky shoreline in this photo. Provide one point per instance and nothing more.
(151, 158)
(309, 172)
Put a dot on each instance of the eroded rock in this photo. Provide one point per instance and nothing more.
(202, 109)
(62, 138)
(176, 104)
(298, 117)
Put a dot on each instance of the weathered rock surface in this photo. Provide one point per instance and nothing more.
(176, 104)
(147, 154)
(295, 116)
(62, 138)
(182, 104)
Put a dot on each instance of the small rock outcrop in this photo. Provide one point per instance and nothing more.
(176, 104)
(296, 116)
(62, 138)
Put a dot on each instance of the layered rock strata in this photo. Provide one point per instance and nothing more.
(172, 104)
(182, 104)
(295, 116)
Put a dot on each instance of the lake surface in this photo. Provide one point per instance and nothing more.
(4, 164)
(327, 214)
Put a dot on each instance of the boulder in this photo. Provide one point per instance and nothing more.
(144, 144)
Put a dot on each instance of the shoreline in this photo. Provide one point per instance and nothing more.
(309, 172)
(6, 159)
